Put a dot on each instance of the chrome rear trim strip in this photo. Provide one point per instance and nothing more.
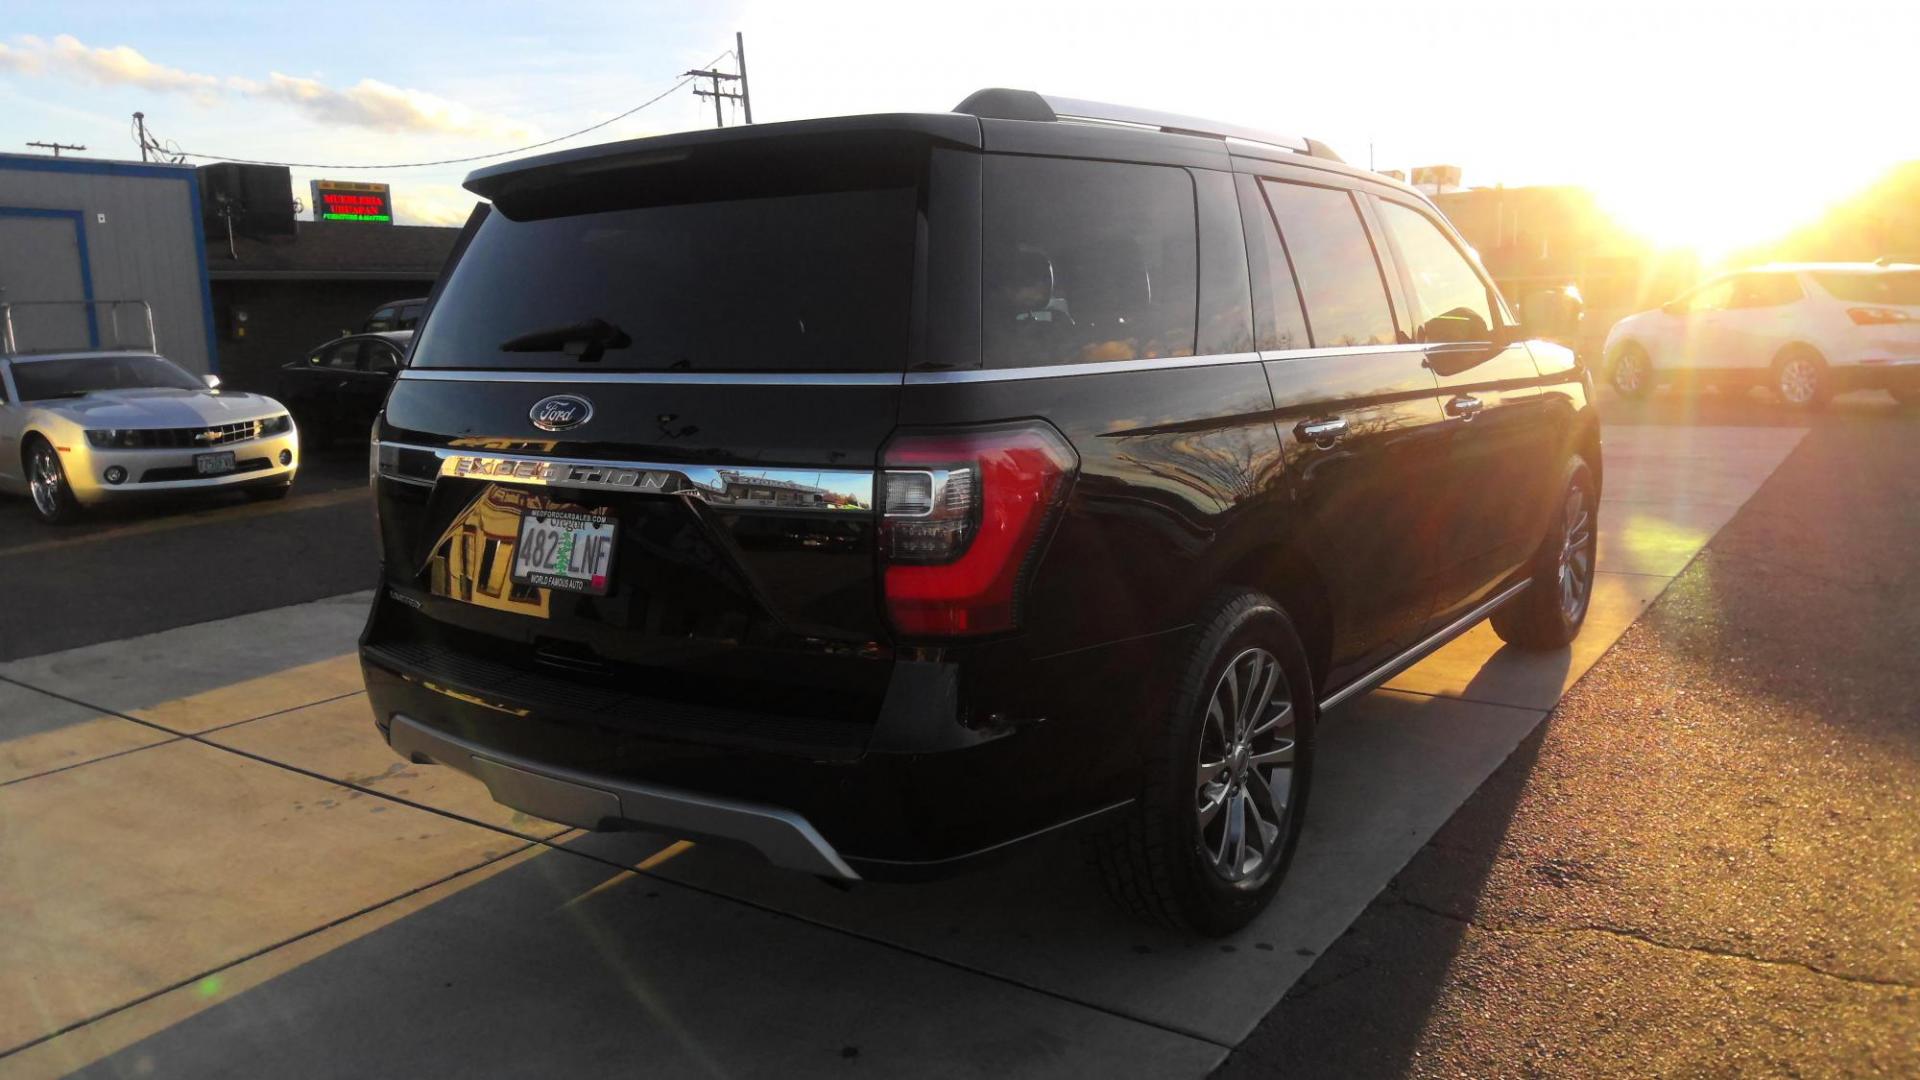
(724, 487)
(1419, 652)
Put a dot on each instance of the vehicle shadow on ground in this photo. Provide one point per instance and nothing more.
(558, 965)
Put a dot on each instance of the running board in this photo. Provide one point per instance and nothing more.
(1426, 647)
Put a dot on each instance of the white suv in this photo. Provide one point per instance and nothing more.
(1805, 330)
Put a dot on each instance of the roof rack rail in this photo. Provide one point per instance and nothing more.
(1002, 104)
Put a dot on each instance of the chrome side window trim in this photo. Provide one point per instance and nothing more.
(723, 487)
(911, 378)
(1061, 371)
(664, 378)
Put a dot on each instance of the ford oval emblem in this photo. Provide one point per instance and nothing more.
(560, 412)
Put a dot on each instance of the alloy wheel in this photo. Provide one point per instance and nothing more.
(1799, 380)
(1630, 372)
(46, 481)
(1576, 554)
(1245, 770)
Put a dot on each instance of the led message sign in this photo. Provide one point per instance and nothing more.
(346, 200)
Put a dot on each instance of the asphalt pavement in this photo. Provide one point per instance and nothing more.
(154, 564)
(1707, 860)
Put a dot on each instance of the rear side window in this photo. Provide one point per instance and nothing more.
(814, 282)
(1899, 287)
(1453, 303)
(1334, 264)
(1086, 261)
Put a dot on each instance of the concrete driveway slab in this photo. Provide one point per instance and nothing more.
(39, 733)
(128, 875)
(337, 740)
(554, 965)
(197, 677)
(1392, 768)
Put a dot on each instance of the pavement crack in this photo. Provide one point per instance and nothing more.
(1649, 940)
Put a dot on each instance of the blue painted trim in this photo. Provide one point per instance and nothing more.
(79, 221)
(206, 282)
(184, 173)
(28, 163)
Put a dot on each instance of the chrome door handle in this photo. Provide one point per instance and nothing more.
(1322, 433)
(1465, 407)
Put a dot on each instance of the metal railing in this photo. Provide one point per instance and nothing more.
(91, 312)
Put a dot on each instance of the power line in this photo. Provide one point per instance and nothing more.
(446, 161)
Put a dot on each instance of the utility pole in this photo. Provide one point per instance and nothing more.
(717, 94)
(140, 126)
(740, 61)
(56, 147)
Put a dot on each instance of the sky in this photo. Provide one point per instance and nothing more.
(1699, 123)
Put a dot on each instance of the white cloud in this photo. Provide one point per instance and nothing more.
(117, 66)
(431, 204)
(368, 104)
(382, 107)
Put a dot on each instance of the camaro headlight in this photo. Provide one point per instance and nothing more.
(278, 425)
(114, 438)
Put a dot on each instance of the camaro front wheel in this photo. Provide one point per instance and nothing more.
(53, 500)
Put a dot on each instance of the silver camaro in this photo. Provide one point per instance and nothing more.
(79, 428)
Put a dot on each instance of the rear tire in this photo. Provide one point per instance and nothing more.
(1632, 372)
(1549, 614)
(1217, 819)
(47, 487)
(1801, 379)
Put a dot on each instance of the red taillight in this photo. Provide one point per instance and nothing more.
(963, 516)
(1877, 316)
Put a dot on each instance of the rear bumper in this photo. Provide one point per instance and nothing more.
(603, 803)
(920, 793)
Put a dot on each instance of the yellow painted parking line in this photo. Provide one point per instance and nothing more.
(204, 517)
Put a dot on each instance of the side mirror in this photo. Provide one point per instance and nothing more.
(212, 381)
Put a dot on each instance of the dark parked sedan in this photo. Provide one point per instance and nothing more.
(337, 389)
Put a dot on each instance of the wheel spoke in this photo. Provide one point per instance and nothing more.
(1274, 720)
(1268, 813)
(1281, 754)
(1210, 808)
(1209, 771)
(1231, 854)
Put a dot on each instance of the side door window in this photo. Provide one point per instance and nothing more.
(380, 320)
(1709, 298)
(409, 317)
(344, 356)
(1452, 302)
(1334, 265)
(1086, 261)
(1765, 290)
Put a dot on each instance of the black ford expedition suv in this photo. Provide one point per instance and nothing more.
(877, 492)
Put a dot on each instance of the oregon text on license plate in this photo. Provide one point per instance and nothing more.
(560, 549)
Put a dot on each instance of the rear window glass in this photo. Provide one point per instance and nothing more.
(809, 282)
(1086, 261)
(1333, 260)
(1900, 287)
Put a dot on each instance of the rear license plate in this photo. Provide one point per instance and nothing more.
(560, 549)
(213, 464)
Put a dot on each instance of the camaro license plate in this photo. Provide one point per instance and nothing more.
(560, 549)
(213, 464)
